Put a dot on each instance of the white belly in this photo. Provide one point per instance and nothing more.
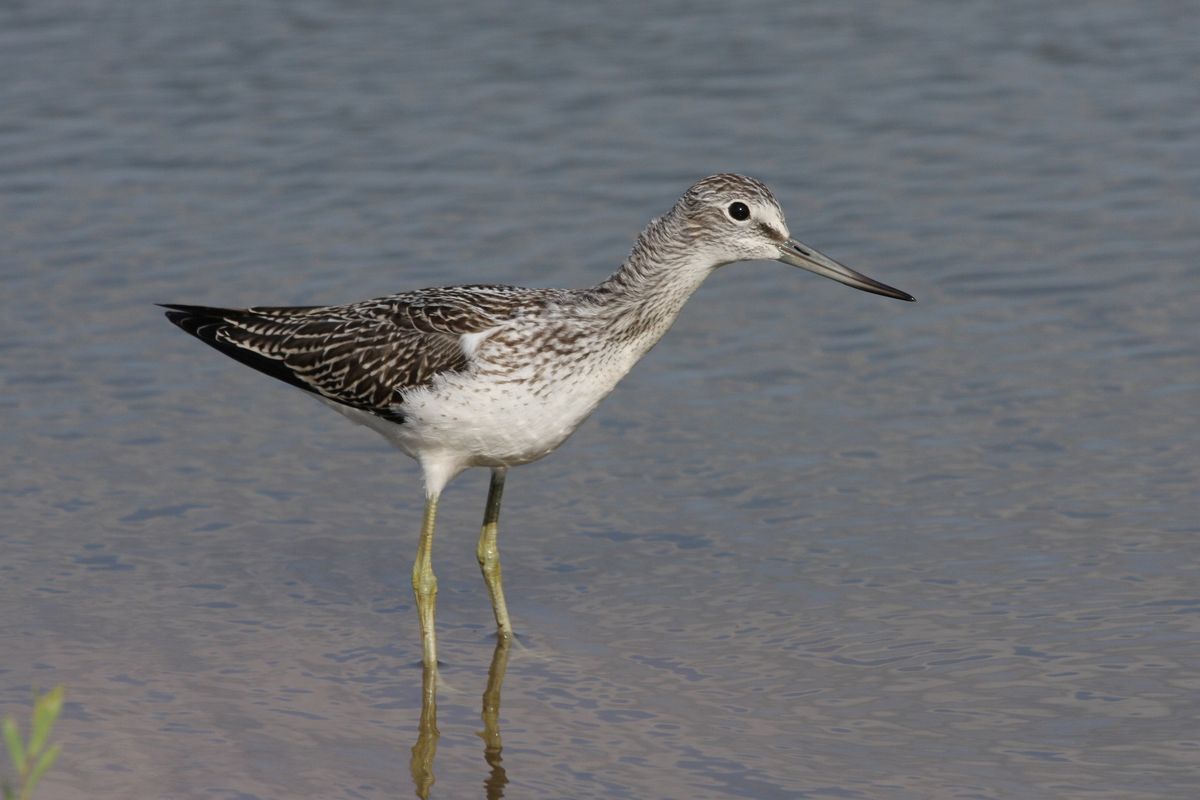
(497, 424)
(469, 420)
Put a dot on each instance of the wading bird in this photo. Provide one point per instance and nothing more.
(498, 376)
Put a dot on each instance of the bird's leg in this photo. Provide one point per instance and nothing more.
(488, 552)
(425, 584)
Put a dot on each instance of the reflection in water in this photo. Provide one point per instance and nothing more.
(491, 720)
(425, 749)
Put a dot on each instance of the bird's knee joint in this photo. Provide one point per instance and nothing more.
(488, 557)
(425, 585)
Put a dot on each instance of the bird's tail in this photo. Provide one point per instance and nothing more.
(213, 326)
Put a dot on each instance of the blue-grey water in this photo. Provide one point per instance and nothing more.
(818, 544)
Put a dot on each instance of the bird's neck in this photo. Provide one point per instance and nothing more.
(641, 299)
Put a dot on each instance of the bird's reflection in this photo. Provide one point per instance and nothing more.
(490, 734)
(421, 763)
(425, 749)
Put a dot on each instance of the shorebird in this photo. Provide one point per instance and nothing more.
(498, 376)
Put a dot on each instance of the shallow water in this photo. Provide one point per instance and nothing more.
(818, 544)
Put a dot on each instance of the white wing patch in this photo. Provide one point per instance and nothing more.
(469, 342)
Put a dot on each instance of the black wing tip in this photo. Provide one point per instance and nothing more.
(203, 322)
(188, 309)
(206, 322)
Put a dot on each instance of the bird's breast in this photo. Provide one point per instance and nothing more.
(521, 398)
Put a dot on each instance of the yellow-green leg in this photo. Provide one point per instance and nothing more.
(425, 584)
(488, 553)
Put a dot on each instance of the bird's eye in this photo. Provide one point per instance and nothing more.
(739, 211)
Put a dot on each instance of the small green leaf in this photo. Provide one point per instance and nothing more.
(45, 711)
(12, 738)
(44, 763)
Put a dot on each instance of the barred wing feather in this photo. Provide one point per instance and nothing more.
(364, 355)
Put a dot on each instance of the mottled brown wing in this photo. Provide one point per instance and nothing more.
(364, 355)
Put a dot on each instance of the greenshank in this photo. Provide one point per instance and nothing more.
(498, 376)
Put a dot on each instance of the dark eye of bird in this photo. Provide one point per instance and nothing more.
(739, 211)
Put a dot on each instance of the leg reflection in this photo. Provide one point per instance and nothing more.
(498, 778)
(421, 763)
(423, 752)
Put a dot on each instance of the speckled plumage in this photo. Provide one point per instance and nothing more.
(374, 356)
(363, 355)
(497, 376)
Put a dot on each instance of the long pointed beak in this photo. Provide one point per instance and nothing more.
(805, 257)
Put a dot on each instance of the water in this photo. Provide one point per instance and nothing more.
(818, 544)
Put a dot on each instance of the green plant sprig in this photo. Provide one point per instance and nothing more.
(31, 759)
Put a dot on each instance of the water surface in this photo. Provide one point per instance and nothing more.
(818, 544)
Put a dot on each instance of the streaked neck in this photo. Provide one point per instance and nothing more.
(644, 296)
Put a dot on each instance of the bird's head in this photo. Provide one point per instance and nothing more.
(735, 218)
